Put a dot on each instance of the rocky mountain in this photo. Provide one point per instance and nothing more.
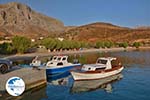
(108, 32)
(20, 19)
(17, 18)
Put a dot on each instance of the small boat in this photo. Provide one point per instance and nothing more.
(36, 63)
(59, 64)
(91, 85)
(102, 69)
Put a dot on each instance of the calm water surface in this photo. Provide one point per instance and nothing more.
(134, 84)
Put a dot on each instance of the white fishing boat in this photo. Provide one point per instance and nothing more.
(59, 64)
(35, 63)
(91, 85)
(102, 69)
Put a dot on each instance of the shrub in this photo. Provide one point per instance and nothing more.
(6, 48)
(136, 44)
(108, 44)
(124, 44)
(100, 44)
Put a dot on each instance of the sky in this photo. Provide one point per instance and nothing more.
(127, 13)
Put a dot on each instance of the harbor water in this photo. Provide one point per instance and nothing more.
(132, 84)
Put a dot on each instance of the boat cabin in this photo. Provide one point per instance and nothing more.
(58, 61)
(101, 63)
(106, 62)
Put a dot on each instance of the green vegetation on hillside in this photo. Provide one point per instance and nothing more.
(123, 44)
(104, 44)
(136, 44)
(55, 44)
(22, 44)
(6, 48)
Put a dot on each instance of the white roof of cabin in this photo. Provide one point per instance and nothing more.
(107, 58)
(60, 58)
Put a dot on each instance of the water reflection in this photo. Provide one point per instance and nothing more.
(132, 86)
(58, 79)
(133, 57)
(91, 85)
(36, 93)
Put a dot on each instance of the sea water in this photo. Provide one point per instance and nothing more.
(134, 83)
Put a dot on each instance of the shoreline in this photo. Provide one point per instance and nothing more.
(44, 54)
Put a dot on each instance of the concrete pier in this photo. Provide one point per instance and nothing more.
(32, 78)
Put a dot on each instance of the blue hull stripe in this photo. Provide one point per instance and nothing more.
(60, 70)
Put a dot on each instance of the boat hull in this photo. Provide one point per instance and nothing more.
(86, 86)
(28, 65)
(63, 69)
(54, 77)
(95, 75)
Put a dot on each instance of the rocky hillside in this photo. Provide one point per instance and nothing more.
(106, 31)
(17, 18)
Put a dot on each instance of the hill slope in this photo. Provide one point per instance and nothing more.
(106, 31)
(17, 18)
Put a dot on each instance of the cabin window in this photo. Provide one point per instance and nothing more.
(64, 59)
(59, 58)
(102, 61)
(100, 68)
(115, 62)
(89, 68)
(51, 63)
(54, 58)
(59, 64)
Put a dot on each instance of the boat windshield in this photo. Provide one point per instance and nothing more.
(59, 59)
(100, 61)
(54, 58)
(64, 59)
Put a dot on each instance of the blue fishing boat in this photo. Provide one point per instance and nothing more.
(59, 64)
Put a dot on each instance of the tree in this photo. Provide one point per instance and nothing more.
(66, 44)
(136, 44)
(49, 43)
(77, 45)
(103, 44)
(72, 45)
(21, 44)
(98, 44)
(6, 48)
(58, 44)
(108, 44)
(124, 44)
(83, 44)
